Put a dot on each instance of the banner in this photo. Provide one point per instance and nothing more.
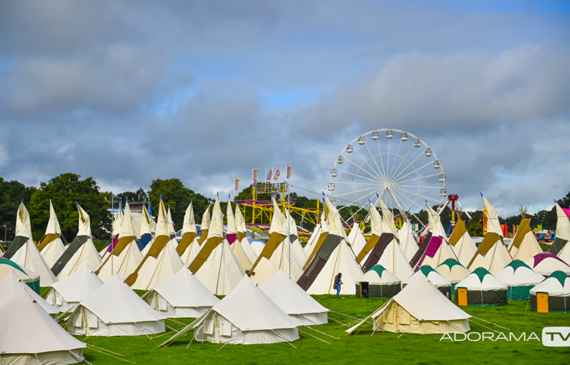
(255, 171)
(268, 178)
(277, 174)
(237, 183)
(289, 171)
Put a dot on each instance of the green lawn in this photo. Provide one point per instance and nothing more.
(362, 348)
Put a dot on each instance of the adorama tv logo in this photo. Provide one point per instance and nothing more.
(556, 336)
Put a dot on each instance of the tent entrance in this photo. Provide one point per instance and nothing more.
(363, 289)
(462, 297)
(542, 302)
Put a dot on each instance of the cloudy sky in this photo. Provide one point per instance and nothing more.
(205, 91)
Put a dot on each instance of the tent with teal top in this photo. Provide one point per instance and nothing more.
(519, 278)
(552, 295)
(453, 271)
(30, 278)
(441, 283)
(378, 282)
(481, 288)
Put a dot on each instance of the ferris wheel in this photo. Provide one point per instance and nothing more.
(390, 164)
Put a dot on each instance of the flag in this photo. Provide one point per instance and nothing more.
(277, 174)
(107, 200)
(289, 171)
(268, 178)
(237, 183)
(255, 171)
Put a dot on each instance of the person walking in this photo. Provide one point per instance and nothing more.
(338, 283)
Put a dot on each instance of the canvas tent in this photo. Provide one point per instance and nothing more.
(10, 284)
(181, 296)
(462, 243)
(331, 255)
(31, 336)
(24, 252)
(437, 249)
(80, 252)
(546, 263)
(408, 243)
(519, 278)
(294, 301)
(27, 276)
(68, 292)
(560, 245)
(125, 256)
(551, 295)
(418, 308)
(524, 245)
(481, 288)
(245, 316)
(441, 283)
(216, 265)
(378, 282)
(242, 236)
(375, 233)
(161, 261)
(114, 310)
(356, 239)
(205, 226)
(189, 234)
(453, 271)
(492, 253)
(52, 246)
(147, 227)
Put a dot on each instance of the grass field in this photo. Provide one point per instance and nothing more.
(361, 348)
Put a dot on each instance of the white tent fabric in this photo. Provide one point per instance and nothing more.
(114, 310)
(191, 252)
(553, 287)
(433, 277)
(473, 282)
(55, 247)
(28, 255)
(126, 256)
(245, 316)
(87, 255)
(434, 220)
(222, 271)
(495, 259)
(408, 243)
(518, 275)
(281, 259)
(313, 239)
(524, 244)
(181, 296)
(462, 244)
(562, 224)
(493, 223)
(356, 239)
(11, 284)
(341, 260)
(419, 308)
(257, 247)
(395, 262)
(240, 255)
(547, 263)
(452, 270)
(68, 292)
(372, 278)
(294, 301)
(155, 270)
(242, 231)
(32, 336)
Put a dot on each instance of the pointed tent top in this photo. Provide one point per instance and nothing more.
(515, 264)
(493, 224)
(231, 227)
(278, 220)
(216, 228)
(189, 225)
(205, 219)
(388, 219)
(161, 220)
(84, 222)
(375, 221)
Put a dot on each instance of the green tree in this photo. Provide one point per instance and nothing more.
(64, 191)
(178, 197)
(11, 194)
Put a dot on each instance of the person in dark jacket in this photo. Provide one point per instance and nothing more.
(338, 283)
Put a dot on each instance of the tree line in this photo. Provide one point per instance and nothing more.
(68, 188)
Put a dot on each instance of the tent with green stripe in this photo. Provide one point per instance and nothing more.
(27, 276)
(453, 271)
(483, 289)
(519, 278)
(441, 283)
(380, 282)
(557, 286)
